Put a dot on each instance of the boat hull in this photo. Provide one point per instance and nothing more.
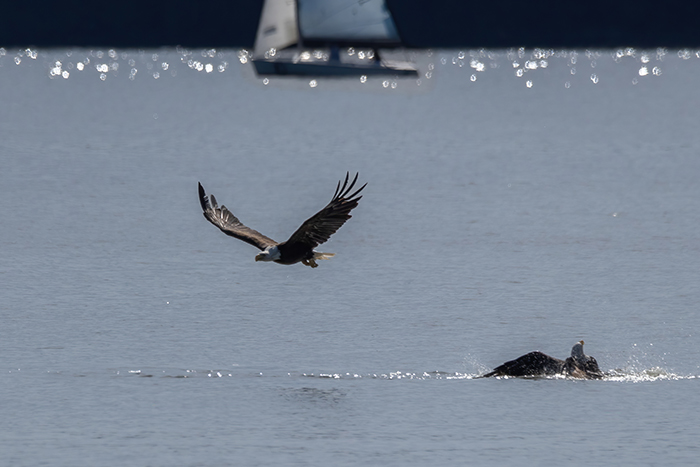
(283, 67)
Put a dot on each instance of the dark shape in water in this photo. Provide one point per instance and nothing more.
(578, 365)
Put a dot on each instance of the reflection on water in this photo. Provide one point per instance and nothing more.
(630, 375)
(315, 396)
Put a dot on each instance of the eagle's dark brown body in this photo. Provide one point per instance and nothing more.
(537, 363)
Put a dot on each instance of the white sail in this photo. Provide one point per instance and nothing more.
(278, 26)
(347, 21)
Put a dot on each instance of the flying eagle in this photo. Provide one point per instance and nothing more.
(300, 246)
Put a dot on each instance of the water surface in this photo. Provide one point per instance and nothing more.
(503, 214)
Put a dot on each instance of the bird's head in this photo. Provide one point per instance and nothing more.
(262, 257)
(270, 254)
(577, 352)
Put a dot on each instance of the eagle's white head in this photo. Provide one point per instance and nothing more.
(269, 254)
(577, 352)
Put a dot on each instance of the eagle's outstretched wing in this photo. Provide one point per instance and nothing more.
(532, 364)
(229, 224)
(327, 221)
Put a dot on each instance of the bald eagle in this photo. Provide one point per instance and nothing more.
(300, 246)
(578, 365)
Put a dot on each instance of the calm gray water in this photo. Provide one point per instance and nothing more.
(503, 214)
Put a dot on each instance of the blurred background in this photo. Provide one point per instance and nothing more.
(441, 23)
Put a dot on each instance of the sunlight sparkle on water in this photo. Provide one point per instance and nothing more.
(56, 70)
(392, 375)
(685, 54)
(484, 61)
(531, 64)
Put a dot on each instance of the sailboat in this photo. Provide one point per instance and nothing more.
(305, 37)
